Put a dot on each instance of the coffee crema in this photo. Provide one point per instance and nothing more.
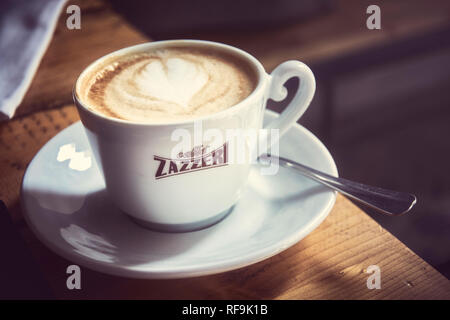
(167, 84)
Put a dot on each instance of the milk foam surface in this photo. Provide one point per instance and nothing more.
(168, 85)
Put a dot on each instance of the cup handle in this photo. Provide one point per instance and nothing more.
(302, 98)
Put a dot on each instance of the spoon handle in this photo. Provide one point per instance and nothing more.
(389, 202)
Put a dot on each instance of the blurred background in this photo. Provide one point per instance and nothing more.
(382, 105)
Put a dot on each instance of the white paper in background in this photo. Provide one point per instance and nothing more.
(26, 28)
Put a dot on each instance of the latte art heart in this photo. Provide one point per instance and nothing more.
(168, 85)
(175, 81)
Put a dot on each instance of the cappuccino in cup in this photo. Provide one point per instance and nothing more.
(168, 84)
(133, 101)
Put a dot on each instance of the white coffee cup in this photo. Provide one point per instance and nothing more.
(129, 154)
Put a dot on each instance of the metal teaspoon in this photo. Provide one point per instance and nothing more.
(389, 202)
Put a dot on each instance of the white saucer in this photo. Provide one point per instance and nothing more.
(65, 204)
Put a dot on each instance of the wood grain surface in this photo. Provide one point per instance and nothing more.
(330, 263)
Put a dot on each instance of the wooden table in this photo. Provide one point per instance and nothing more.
(330, 263)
